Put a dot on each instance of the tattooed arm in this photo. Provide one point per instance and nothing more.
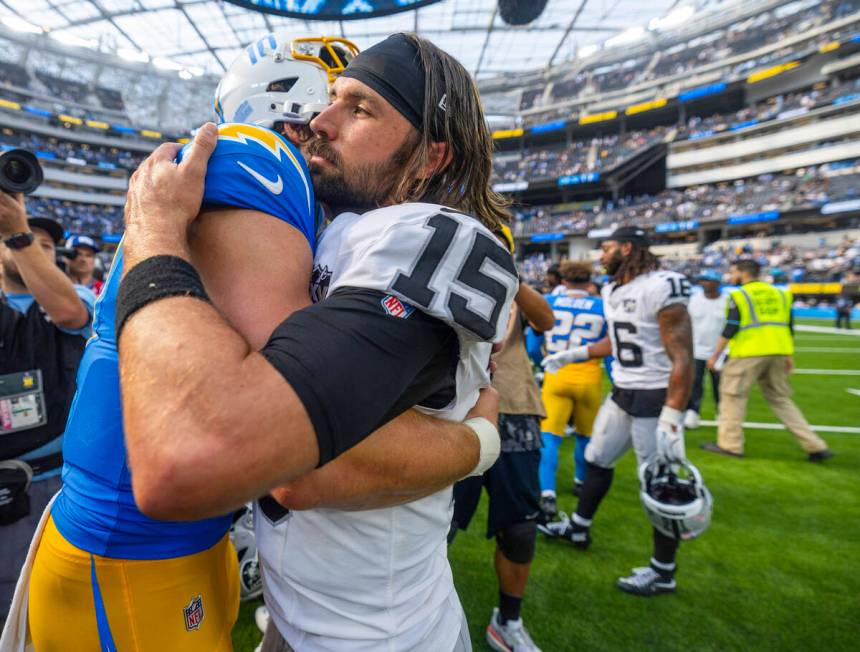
(677, 335)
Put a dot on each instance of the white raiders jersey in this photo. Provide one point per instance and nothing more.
(631, 311)
(380, 579)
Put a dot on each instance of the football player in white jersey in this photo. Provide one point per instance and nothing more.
(651, 338)
(414, 293)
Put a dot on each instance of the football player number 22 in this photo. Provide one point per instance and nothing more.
(570, 330)
(416, 286)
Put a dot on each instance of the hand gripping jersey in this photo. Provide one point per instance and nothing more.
(251, 167)
(379, 579)
(631, 311)
(578, 320)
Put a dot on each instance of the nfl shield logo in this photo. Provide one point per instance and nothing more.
(194, 613)
(396, 308)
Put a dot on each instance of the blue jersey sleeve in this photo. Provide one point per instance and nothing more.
(257, 169)
(534, 344)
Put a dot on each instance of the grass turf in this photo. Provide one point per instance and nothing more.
(779, 568)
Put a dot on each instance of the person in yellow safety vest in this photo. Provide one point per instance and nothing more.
(759, 333)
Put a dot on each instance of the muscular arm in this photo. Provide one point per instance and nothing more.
(535, 308)
(677, 335)
(600, 349)
(254, 294)
(256, 268)
(384, 470)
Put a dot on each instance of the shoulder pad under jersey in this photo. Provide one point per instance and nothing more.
(444, 262)
(256, 168)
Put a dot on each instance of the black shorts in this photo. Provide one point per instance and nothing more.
(513, 488)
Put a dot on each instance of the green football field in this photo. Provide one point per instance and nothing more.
(779, 568)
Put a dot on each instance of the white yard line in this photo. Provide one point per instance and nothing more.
(755, 425)
(802, 328)
(828, 349)
(851, 390)
(827, 372)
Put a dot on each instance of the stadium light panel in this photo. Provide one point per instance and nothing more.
(195, 70)
(76, 41)
(133, 55)
(627, 36)
(674, 18)
(184, 74)
(21, 25)
(166, 64)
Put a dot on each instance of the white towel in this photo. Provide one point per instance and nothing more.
(14, 638)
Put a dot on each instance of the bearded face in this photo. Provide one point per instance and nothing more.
(611, 258)
(357, 185)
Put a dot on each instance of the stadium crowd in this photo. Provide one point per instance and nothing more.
(806, 188)
(769, 27)
(49, 147)
(592, 155)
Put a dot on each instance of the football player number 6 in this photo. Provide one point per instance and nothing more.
(629, 353)
(416, 286)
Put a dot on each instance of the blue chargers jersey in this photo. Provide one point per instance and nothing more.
(252, 168)
(578, 320)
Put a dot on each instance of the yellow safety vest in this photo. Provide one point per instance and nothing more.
(765, 314)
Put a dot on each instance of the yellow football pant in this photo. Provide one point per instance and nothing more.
(562, 399)
(148, 605)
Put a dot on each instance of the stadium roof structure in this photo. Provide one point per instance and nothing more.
(202, 37)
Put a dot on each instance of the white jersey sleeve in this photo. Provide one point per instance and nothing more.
(445, 263)
(664, 289)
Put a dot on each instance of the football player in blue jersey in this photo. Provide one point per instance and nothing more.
(571, 394)
(104, 574)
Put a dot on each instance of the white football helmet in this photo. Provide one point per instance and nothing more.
(279, 79)
(242, 536)
(675, 498)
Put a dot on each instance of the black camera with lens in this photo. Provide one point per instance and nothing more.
(19, 171)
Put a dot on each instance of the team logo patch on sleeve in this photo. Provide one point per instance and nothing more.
(194, 613)
(396, 308)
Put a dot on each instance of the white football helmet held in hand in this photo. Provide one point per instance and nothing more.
(675, 498)
(280, 79)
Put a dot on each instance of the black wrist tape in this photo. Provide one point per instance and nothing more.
(156, 278)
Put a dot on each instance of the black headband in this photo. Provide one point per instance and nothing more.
(393, 69)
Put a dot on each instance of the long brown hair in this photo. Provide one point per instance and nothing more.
(464, 183)
(640, 261)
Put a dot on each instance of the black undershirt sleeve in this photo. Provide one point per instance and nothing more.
(733, 321)
(355, 365)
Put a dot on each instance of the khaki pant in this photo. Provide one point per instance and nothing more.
(770, 372)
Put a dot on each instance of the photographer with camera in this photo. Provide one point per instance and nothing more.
(44, 323)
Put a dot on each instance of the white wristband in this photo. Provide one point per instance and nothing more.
(488, 436)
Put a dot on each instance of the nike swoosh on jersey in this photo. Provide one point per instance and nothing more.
(275, 187)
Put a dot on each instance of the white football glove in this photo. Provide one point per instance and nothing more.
(552, 363)
(670, 436)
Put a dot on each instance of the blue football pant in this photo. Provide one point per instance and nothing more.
(549, 459)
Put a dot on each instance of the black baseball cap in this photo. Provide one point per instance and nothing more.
(54, 228)
(634, 234)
